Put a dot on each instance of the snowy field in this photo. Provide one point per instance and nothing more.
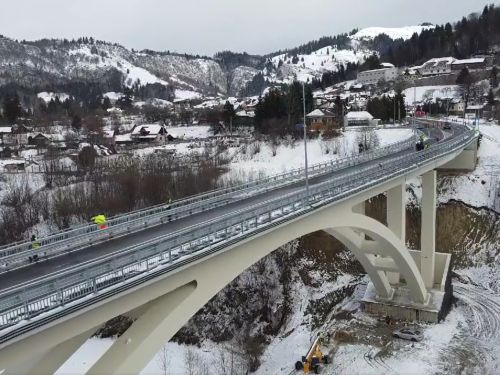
(479, 188)
(290, 155)
(421, 93)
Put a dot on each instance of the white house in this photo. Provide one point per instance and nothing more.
(372, 77)
(441, 65)
(150, 134)
(14, 135)
(361, 118)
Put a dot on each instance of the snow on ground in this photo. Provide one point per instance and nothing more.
(423, 93)
(113, 96)
(48, 96)
(481, 187)
(290, 155)
(189, 132)
(186, 95)
(312, 65)
(405, 32)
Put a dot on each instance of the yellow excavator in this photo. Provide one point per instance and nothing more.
(314, 358)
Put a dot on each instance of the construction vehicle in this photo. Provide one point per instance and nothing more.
(314, 358)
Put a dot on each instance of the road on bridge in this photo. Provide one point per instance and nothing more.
(32, 272)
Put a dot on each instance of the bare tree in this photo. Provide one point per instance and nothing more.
(230, 361)
(164, 360)
(194, 363)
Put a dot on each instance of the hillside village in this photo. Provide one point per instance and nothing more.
(430, 88)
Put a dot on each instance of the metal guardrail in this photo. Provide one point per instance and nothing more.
(84, 284)
(79, 237)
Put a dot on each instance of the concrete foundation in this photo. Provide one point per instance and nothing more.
(401, 306)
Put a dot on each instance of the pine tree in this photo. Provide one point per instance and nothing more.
(465, 81)
(494, 77)
(76, 123)
(12, 109)
(491, 97)
(228, 113)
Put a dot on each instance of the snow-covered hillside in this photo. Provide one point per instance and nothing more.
(405, 32)
(52, 62)
(307, 67)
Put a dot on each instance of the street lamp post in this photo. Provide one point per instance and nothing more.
(305, 140)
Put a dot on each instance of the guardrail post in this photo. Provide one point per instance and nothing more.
(27, 310)
(60, 296)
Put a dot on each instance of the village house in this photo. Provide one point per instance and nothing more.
(358, 119)
(154, 133)
(14, 135)
(322, 119)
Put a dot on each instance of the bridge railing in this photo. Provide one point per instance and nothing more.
(95, 280)
(79, 237)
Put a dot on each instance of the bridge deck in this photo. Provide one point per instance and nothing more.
(30, 273)
(45, 267)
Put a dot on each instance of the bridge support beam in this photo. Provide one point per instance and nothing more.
(396, 219)
(132, 351)
(56, 357)
(428, 228)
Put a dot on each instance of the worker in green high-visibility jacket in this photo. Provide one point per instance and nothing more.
(100, 221)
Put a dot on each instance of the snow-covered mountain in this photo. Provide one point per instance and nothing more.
(50, 63)
(405, 32)
(53, 62)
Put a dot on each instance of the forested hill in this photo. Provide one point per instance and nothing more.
(475, 34)
(67, 66)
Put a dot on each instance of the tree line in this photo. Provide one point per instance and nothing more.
(280, 110)
(471, 35)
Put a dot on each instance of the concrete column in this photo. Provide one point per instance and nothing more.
(396, 211)
(57, 356)
(359, 208)
(428, 228)
(396, 219)
(132, 351)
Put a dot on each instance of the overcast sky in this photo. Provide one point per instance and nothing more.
(208, 26)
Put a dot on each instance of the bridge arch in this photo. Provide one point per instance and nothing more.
(213, 274)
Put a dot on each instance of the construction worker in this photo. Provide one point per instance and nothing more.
(100, 221)
(34, 245)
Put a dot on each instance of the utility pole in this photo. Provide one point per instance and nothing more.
(305, 140)
(231, 125)
(414, 110)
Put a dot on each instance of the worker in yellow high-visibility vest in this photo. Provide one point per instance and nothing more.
(100, 221)
(35, 245)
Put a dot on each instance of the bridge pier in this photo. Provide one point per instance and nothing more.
(428, 229)
(396, 219)
(433, 266)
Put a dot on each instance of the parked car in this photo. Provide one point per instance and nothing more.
(408, 334)
(447, 126)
